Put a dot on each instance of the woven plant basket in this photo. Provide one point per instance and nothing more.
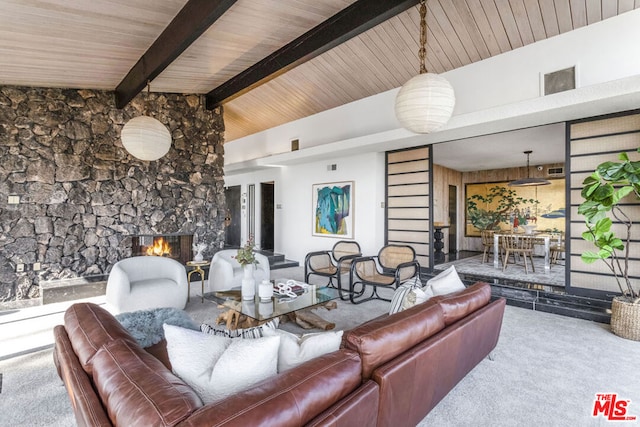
(625, 319)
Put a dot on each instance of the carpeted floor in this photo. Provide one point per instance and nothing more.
(546, 372)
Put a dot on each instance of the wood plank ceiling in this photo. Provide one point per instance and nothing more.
(94, 44)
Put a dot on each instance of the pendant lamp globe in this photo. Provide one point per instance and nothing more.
(146, 138)
(425, 103)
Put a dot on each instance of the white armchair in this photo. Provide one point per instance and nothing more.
(145, 282)
(226, 273)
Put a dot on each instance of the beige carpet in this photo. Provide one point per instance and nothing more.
(546, 372)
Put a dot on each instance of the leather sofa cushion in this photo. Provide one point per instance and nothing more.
(457, 305)
(138, 390)
(385, 337)
(360, 409)
(292, 398)
(87, 407)
(89, 327)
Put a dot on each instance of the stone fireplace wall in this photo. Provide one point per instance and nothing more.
(82, 196)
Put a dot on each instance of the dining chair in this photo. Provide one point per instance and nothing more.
(518, 245)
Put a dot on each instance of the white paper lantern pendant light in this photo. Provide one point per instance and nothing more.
(146, 138)
(425, 103)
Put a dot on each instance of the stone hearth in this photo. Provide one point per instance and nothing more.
(82, 197)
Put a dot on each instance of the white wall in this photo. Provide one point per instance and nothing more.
(293, 200)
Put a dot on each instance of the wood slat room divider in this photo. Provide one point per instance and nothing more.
(592, 142)
(408, 210)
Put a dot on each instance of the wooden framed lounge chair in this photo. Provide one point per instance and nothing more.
(332, 264)
(393, 265)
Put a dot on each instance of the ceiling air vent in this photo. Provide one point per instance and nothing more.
(559, 81)
(559, 171)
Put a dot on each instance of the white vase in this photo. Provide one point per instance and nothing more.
(198, 257)
(248, 283)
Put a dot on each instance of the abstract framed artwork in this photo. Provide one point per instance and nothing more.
(333, 209)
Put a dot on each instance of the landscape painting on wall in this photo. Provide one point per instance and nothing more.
(333, 209)
(547, 215)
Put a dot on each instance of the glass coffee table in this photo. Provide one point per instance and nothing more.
(277, 306)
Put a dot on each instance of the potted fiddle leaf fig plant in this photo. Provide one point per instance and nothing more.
(606, 194)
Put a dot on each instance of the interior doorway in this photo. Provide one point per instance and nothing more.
(267, 214)
(232, 219)
(453, 219)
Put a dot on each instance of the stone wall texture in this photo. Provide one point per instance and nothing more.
(82, 196)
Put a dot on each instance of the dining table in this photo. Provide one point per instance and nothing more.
(540, 238)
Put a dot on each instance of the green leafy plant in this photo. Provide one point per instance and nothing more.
(246, 254)
(603, 192)
(485, 219)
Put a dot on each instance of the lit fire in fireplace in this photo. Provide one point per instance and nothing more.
(160, 248)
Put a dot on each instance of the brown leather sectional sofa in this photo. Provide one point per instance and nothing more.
(391, 371)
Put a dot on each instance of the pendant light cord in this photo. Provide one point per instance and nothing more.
(422, 53)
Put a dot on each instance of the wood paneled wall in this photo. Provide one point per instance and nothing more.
(442, 179)
(408, 208)
(591, 143)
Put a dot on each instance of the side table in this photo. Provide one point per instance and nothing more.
(197, 268)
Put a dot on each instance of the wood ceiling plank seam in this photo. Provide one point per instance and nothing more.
(325, 90)
(339, 75)
(391, 62)
(337, 58)
(373, 78)
(549, 17)
(497, 25)
(609, 9)
(405, 57)
(442, 19)
(437, 61)
(406, 30)
(563, 12)
(519, 11)
(390, 53)
(509, 22)
(594, 11)
(272, 109)
(466, 28)
(625, 6)
(484, 27)
(536, 23)
(436, 33)
(293, 89)
(578, 13)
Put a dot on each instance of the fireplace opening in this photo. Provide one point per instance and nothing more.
(176, 246)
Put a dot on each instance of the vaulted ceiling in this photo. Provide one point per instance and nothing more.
(97, 44)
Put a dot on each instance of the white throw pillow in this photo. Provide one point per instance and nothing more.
(218, 367)
(446, 282)
(417, 296)
(399, 296)
(296, 350)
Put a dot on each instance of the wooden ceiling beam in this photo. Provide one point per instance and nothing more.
(190, 23)
(349, 22)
